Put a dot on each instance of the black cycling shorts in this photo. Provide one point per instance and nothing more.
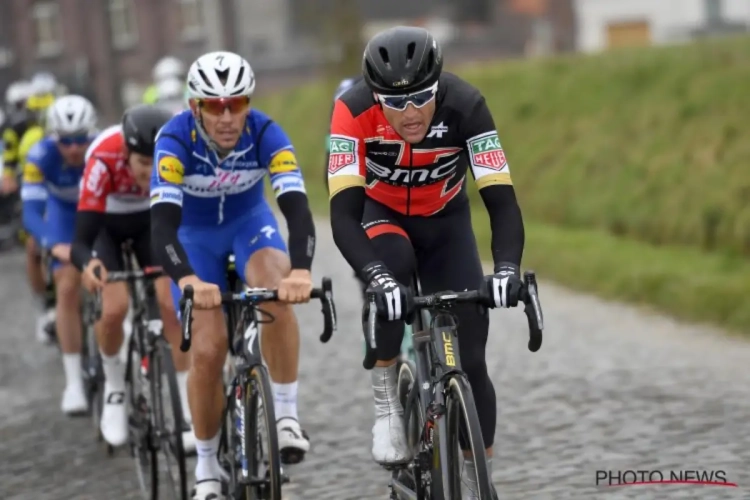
(118, 229)
(442, 250)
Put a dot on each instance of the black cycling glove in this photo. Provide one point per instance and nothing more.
(391, 298)
(504, 287)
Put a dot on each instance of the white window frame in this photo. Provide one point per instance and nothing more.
(123, 23)
(47, 24)
(196, 30)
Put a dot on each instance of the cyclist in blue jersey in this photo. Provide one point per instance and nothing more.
(207, 202)
(51, 177)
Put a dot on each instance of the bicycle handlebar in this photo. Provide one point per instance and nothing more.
(529, 296)
(256, 296)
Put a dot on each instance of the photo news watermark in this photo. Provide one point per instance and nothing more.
(658, 477)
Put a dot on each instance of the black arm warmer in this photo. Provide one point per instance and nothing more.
(299, 220)
(347, 208)
(506, 222)
(167, 250)
(88, 225)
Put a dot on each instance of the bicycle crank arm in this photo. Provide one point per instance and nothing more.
(402, 491)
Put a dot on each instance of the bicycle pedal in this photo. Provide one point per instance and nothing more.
(395, 467)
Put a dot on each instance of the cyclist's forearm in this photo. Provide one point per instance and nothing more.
(299, 220)
(506, 222)
(33, 218)
(166, 247)
(347, 207)
(88, 225)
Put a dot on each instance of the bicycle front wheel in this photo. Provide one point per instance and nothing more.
(260, 439)
(463, 431)
(168, 420)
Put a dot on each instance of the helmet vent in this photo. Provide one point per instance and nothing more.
(410, 49)
(384, 56)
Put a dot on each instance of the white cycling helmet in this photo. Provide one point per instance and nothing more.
(71, 114)
(43, 83)
(170, 89)
(17, 92)
(168, 67)
(220, 74)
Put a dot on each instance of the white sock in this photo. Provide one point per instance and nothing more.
(114, 372)
(182, 387)
(285, 400)
(72, 368)
(207, 464)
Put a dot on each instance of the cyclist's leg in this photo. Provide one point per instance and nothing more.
(37, 283)
(393, 247)
(262, 261)
(60, 229)
(449, 260)
(109, 336)
(207, 249)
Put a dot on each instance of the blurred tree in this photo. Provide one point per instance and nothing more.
(338, 32)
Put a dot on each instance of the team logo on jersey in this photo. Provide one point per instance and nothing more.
(171, 170)
(32, 174)
(343, 152)
(485, 151)
(285, 161)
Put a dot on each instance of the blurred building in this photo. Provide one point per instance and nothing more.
(105, 49)
(606, 24)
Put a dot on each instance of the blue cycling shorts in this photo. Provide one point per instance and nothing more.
(209, 247)
(60, 226)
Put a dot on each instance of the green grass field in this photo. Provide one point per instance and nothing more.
(631, 169)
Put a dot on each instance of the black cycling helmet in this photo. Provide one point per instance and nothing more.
(402, 60)
(140, 125)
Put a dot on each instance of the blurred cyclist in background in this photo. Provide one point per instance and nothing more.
(172, 95)
(19, 120)
(51, 181)
(168, 68)
(42, 89)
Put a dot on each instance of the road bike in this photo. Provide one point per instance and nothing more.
(439, 412)
(248, 449)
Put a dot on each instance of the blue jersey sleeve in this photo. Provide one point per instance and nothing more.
(171, 156)
(34, 192)
(277, 155)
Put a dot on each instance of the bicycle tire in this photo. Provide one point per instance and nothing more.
(459, 403)
(170, 444)
(138, 396)
(258, 390)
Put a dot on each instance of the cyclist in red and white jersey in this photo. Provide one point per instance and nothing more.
(114, 207)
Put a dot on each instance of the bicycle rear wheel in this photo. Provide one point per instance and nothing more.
(262, 476)
(168, 420)
(463, 428)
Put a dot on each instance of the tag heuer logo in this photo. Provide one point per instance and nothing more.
(343, 153)
(438, 130)
(486, 151)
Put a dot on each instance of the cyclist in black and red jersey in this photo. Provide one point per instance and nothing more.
(401, 144)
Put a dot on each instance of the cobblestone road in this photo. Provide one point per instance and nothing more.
(612, 388)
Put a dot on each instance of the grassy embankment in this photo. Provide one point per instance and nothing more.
(632, 170)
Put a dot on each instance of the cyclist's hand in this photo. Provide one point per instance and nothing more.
(10, 184)
(205, 295)
(504, 287)
(391, 298)
(90, 281)
(61, 252)
(296, 287)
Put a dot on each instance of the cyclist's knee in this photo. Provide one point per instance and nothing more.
(266, 268)
(67, 286)
(114, 304)
(164, 301)
(209, 344)
(397, 254)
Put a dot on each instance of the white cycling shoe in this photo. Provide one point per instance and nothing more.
(389, 444)
(74, 401)
(293, 441)
(43, 320)
(114, 421)
(209, 489)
